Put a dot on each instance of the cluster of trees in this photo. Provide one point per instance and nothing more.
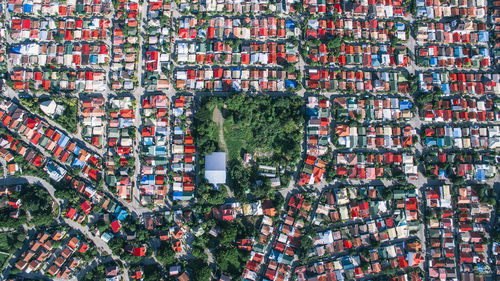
(165, 253)
(231, 260)
(270, 128)
(151, 272)
(209, 197)
(241, 179)
(332, 44)
(98, 273)
(274, 124)
(430, 97)
(198, 268)
(68, 119)
(486, 194)
(228, 259)
(36, 201)
(11, 241)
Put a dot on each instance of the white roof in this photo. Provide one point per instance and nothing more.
(215, 167)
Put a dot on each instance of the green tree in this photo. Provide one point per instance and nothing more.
(165, 254)
(202, 272)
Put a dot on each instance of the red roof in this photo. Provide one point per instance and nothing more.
(139, 251)
(83, 248)
(36, 138)
(71, 213)
(86, 207)
(115, 225)
(38, 161)
(93, 174)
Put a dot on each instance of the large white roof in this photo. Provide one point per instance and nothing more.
(215, 167)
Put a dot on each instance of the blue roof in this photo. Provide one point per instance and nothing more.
(27, 8)
(107, 235)
(346, 262)
(480, 175)
(147, 179)
(290, 24)
(435, 76)
(93, 58)
(385, 76)
(430, 141)
(178, 131)
(311, 112)
(421, 11)
(63, 141)
(120, 213)
(50, 165)
(178, 195)
(148, 141)
(16, 49)
(484, 52)
(405, 105)
(274, 255)
(440, 142)
(291, 83)
(433, 61)
(76, 150)
(483, 36)
(445, 88)
(480, 267)
(161, 150)
(78, 163)
(442, 173)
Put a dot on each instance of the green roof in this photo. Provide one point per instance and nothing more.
(399, 194)
(161, 161)
(68, 49)
(202, 48)
(43, 141)
(111, 180)
(362, 141)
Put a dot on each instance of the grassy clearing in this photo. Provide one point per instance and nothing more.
(236, 139)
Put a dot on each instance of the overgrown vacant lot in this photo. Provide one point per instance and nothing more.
(262, 125)
(268, 128)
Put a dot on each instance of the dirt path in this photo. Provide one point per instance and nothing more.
(219, 120)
